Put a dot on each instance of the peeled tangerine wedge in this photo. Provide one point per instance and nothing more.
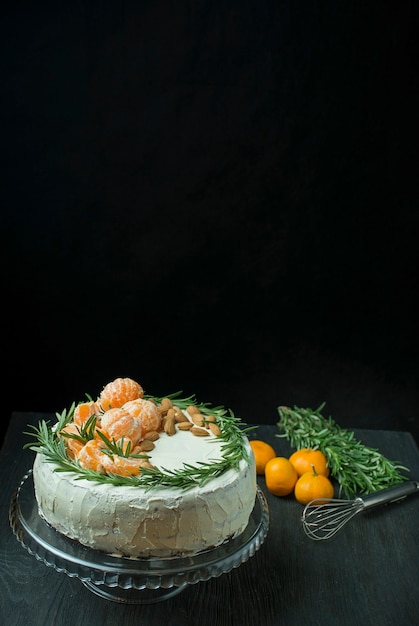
(91, 457)
(83, 411)
(127, 467)
(73, 445)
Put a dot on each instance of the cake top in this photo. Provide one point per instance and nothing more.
(127, 437)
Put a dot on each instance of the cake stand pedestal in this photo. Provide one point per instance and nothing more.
(129, 580)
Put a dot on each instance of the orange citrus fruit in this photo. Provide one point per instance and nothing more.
(146, 414)
(263, 452)
(311, 485)
(305, 458)
(73, 446)
(280, 476)
(83, 411)
(120, 390)
(127, 466)
(118, 423)
(91, 457)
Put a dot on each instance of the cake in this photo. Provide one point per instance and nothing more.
(138, 476)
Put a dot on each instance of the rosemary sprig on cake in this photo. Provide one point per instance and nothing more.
(357, 468)
(51, 442)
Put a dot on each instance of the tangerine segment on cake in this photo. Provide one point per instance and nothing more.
(146, 477)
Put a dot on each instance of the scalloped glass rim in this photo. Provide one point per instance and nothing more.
(91, 566)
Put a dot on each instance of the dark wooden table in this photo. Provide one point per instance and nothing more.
(367, 574)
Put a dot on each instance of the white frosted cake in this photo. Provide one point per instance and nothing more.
(152, 477)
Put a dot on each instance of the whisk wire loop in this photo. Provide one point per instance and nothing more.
(322, 518)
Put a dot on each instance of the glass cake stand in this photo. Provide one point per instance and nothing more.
(129, 580)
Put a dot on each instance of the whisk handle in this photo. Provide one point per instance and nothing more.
(397, 492)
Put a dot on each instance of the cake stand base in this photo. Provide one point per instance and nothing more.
(133, 596)
(123, 580)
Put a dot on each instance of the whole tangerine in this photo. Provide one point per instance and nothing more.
(311, 486)
(304, 458)
(263, 452)
(280, 476)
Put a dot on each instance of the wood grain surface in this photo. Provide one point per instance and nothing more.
(367, 574)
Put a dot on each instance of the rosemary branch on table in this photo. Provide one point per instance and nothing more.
(357, 468)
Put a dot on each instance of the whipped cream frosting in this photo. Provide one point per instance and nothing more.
(161, 522)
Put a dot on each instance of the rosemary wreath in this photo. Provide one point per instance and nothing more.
(234, 449)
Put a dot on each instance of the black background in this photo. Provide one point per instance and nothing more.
(219, 198)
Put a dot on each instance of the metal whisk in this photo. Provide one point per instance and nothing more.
(322, 518)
